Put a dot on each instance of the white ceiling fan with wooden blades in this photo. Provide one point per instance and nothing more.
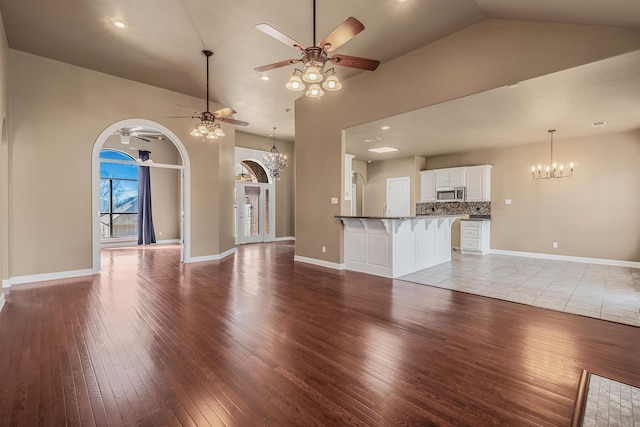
(208, 125)
(315, 58)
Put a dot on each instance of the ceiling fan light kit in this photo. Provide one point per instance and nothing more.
(315, 58)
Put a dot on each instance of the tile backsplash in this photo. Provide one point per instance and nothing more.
(453, 208)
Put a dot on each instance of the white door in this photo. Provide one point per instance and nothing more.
(255, 221)
(398, 196)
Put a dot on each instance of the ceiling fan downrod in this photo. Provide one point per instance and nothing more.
(208, 54)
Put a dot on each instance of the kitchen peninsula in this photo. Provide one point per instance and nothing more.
(395, 246)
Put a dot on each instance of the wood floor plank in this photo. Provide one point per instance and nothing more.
(258, 339)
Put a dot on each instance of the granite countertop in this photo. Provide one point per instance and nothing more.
(394, 217)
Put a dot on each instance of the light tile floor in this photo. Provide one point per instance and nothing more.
(594, 290)
(610, 403)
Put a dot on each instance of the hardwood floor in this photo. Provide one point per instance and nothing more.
(256, 339)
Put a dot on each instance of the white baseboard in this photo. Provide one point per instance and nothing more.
(614, 262)
(319, 262)
(6, 283)
(279, 239)
(2, 300)
(19, 280)
(211, 257)
(167, 242)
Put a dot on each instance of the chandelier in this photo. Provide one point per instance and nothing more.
(552, 169)
(275, 161)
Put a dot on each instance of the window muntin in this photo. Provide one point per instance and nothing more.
(118, 196)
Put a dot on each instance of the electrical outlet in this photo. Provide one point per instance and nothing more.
(555, 245)
(160, 233)
(334, 200)
(324, 249)
(507, 201)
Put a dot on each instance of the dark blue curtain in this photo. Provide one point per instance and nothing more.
(146, 234)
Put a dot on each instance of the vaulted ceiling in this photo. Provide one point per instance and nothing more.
(162, 40)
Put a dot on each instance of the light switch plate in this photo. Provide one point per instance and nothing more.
(334, 200)
(507, 201)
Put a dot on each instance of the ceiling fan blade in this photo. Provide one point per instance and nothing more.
(183, 117)
(135, 129)
(197, 112)
(224, 112)
(345, 32)
(355, 62)
(233, 121)
(277, 65)
(280, 36)
(141, 138)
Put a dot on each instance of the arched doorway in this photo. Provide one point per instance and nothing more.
(254, 203)
(183, 169)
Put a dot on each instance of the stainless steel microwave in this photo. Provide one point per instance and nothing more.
(451, 194)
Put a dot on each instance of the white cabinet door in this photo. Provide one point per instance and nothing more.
(456, 177)
(450, 177)
(478, 183)
(442, 178)
(428, 186)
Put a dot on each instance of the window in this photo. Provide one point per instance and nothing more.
(118, 196)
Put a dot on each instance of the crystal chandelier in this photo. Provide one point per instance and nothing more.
(275, 161)
(552, 169)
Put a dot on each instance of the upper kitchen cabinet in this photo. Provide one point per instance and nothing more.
(478, 179)
(428, 186)
(450, 177)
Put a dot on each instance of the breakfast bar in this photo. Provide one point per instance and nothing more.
(395, 246)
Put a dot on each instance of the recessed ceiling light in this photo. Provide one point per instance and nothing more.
(375, 139)
(385, 127)
(598, 124)
(383, 149)
(264, 77)
(119, 24)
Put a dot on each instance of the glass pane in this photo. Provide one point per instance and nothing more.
(125, 196)
(125, 225)
(266, 211)
(252, 211)
(105, 194)
(117, 170)
(105, 226)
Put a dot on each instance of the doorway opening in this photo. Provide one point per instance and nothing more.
(170, 169)
(254, 203)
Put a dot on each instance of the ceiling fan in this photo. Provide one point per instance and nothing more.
(136, 132)
(316, 57)
(208, 127)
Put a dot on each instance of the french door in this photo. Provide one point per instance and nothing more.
(255, 213)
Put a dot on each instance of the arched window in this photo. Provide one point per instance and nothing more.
(118, 196)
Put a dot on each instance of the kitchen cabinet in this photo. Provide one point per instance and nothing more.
(474, 236)
(450, 177)
(428, 186)
(478, 180)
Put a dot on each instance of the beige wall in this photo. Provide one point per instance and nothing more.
(484, 56)
(54, 124)
(285, 203)
(4, 156)
(592, 214)
(376, 188)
